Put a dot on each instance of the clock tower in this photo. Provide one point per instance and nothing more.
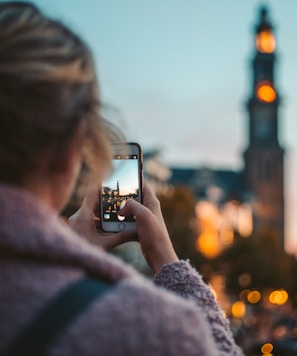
(264, 155)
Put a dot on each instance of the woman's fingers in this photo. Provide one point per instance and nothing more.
(85, 223)
(151, 229)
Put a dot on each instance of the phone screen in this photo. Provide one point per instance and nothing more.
(123, 184)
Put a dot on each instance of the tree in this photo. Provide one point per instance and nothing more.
(178, 208)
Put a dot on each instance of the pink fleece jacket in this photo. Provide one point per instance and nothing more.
(39, 255)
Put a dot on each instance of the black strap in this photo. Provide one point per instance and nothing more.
(55, 317)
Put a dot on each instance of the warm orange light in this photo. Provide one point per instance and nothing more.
(266, 349)
(245, 220)
(278, 297)
(238, 309)
(208, 244)
(208, 240)
(266, 92)
(254, 297)
(227, 236)
(265, 42)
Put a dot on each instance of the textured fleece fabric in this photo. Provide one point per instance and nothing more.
(39, 255)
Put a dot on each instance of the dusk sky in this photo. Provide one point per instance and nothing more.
(175, 74)
(126, 173)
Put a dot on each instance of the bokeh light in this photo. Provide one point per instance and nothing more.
(267, 349)
(278, 297)
(238, 309)
(245, 279)
(265, 92)
(254, 297)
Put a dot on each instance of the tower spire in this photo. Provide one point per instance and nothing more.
(265, 41)
(264, 156)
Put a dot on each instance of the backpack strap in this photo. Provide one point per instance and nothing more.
(56, 316)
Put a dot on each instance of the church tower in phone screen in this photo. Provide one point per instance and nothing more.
(264, 155)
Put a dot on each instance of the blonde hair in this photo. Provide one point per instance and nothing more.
(48, 89)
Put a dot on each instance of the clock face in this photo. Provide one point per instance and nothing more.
(265, 42)
(265, 92)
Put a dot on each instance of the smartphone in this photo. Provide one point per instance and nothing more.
(124, 183)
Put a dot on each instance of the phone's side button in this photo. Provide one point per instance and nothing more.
(121, 227)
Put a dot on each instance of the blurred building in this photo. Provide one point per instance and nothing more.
(249, 201)
(155, 172)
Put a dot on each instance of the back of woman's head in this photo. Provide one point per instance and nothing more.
(47, 91)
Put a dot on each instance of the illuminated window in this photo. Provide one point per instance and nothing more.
(265, 92)
(265, 42)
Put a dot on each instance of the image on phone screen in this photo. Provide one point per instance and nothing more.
(123, 184)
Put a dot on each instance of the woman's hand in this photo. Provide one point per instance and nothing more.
(85, 223)
(151, 230)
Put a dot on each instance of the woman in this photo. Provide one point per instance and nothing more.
(49, 126)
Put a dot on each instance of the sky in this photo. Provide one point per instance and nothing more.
(176, 74)
(126, 173)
